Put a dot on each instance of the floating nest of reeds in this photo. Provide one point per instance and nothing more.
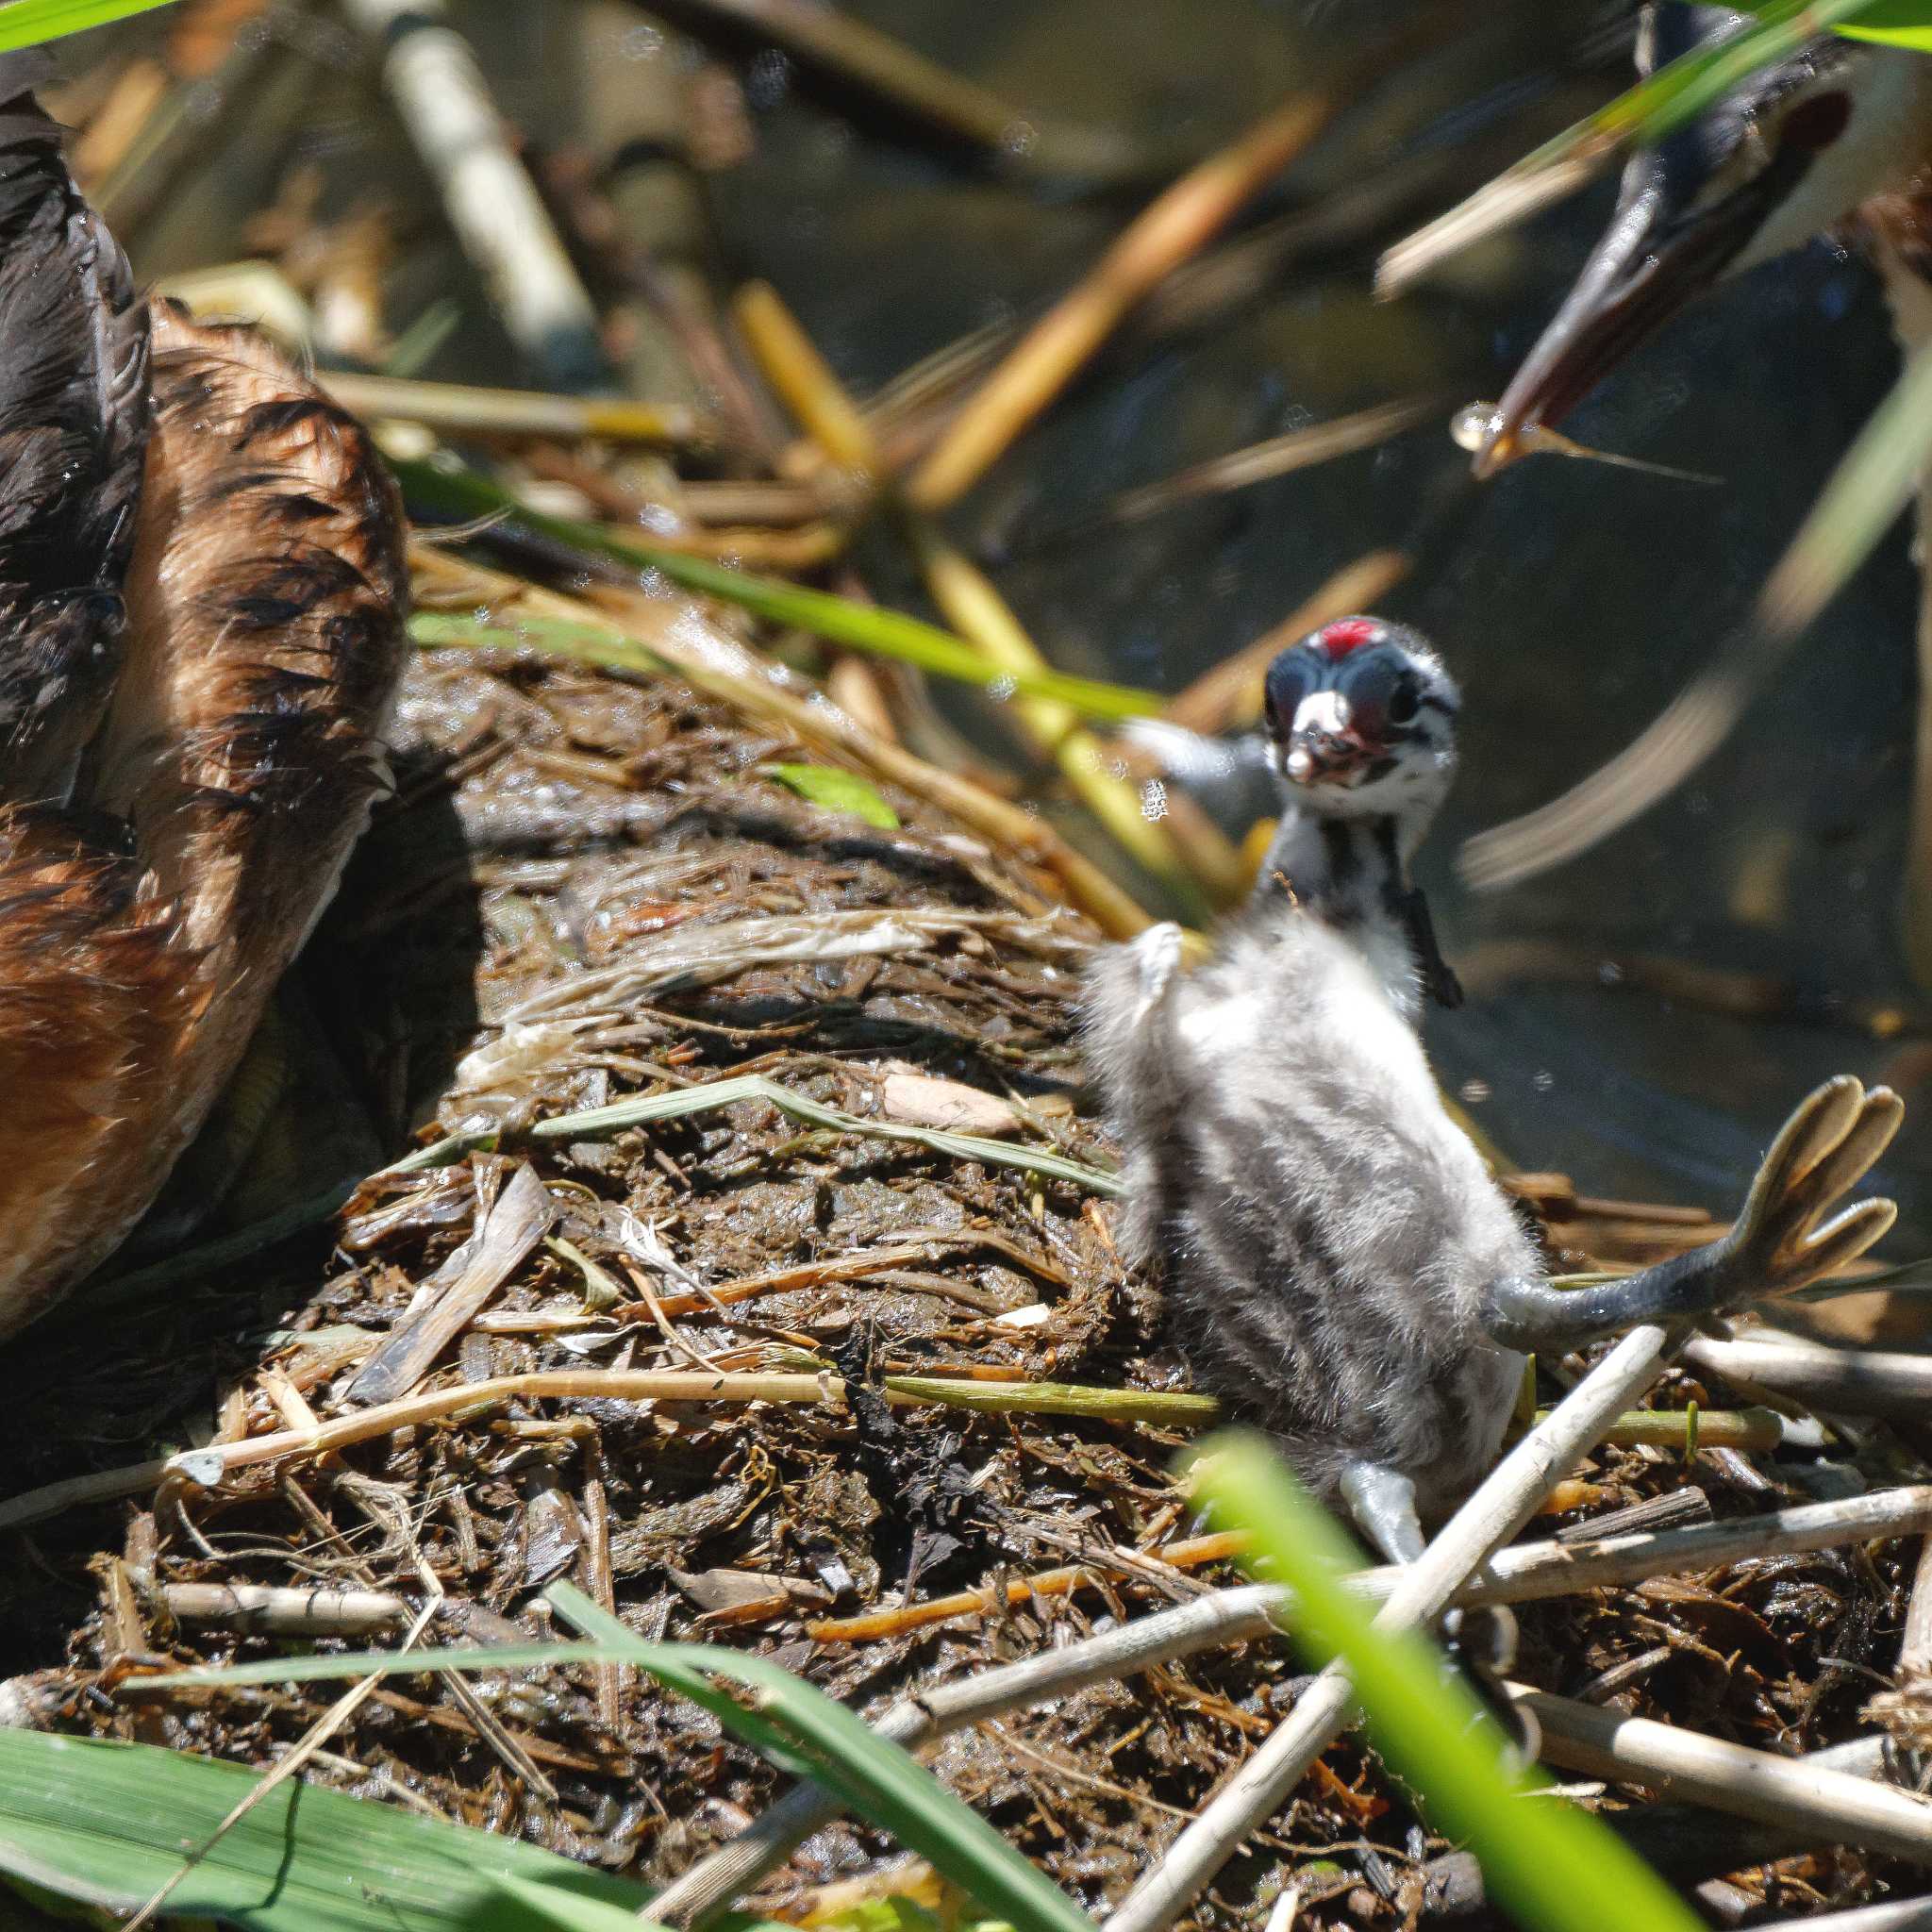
(591, 889)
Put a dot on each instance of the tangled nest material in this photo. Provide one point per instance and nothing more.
(589, 888)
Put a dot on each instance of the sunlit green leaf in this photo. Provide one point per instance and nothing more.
(527, 1902)
(871, 1775)
(26, 23)
(109, 1824)
(838, 790)
(1896, 23)
(790, 1723)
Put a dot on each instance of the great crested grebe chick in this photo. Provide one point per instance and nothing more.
(1334, 1250)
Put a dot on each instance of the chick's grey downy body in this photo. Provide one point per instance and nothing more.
(1325, 1229)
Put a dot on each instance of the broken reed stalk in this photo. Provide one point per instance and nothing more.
(1189, 1553)
(1915, 1641)
(1255, 1611)
(859, 56)
(1755, 1431)
(1850, 1381)
(285, 1610)
(1178, 224)
(464, 409)
(1730, 1777)
(1277, 455)
(1505, 1501)
(966, 597)
(673, 635)
(445, 103)
(207, 1466)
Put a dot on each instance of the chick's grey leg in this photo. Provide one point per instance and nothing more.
(1382, 1501)
(1782, 1240)
(1129, 1035)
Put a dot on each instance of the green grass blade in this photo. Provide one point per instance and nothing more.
(686, 1100)
(28, 22)
(106, 1824)
(1549, 1864)
(836, 790)
(465, 494)
(874, 1776)
(1893, 23)
(786, 1720)
(526, 1902)
(144, 1284)
(1872, 483)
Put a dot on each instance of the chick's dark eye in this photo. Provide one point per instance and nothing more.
(1289, 683)
(1404, 700)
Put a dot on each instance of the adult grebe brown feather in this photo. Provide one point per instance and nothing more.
(204, 718)
(92, 981)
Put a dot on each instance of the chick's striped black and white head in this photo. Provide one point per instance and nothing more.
(1361, 721)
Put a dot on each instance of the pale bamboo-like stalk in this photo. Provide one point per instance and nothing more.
(463, 409)
(1851, 1381)
(282, 1610)
(1730, 1777)
(493, 205)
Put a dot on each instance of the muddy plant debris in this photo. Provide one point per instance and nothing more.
(590, 888)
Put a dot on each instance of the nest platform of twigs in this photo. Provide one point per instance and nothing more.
(591, 888)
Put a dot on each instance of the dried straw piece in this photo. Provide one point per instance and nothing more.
(1189, 1553)
(676, 633)
(519, 1219)
(1178, 224)
(1849, 1381)
(966, 597)
(280, 1611)
(209, 1465)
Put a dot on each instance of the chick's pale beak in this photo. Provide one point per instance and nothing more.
(1325, 757)
(1653, 260)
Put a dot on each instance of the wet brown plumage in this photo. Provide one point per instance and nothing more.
(189, 743)
(73, 427)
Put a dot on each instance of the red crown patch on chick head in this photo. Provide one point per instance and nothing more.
(1350, 634)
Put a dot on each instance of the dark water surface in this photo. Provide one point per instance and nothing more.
(1577, 602)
